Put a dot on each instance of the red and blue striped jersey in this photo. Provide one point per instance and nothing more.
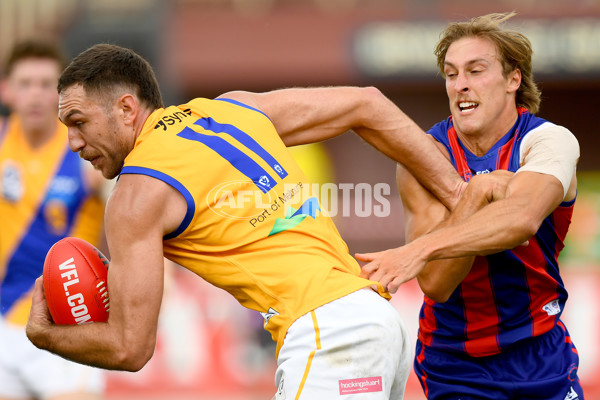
(507, 296)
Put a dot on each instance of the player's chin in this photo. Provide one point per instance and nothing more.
(110, 173)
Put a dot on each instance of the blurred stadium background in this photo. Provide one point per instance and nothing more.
(209, 347)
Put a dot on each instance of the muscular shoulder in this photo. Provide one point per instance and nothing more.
(140, 203)
(247, 98)
(550, 149)
(551, 135)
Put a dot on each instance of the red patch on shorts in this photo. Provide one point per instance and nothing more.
(360, 385)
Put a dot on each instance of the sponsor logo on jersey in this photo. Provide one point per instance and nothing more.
(63, 186)
(552, 308)
(360, 385)
(172, 119)
(572, 395)
(268, 315)
(293, 217)
(280, 395)
(56, 215)
(12, 181)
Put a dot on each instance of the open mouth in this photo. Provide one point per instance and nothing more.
(467, 106)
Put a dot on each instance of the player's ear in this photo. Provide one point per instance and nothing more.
(514, 81)
(128, 107)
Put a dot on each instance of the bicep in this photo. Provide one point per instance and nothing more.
(136, 221)
(535, 194)
(307, 115)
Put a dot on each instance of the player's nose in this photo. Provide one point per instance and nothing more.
(461, 83)
(76, 142)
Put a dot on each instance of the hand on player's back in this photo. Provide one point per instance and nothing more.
(392, 267)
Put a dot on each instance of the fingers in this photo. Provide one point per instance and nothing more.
(382, 278)
(380, 268)
(38, 289)
(368, 269)
(39, 308)
(368, 257)
(395, 284)
(374, 272)
(390, 278)
(373, 263)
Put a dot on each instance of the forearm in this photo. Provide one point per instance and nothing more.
(397, 136)
(439, 278)
(497, 227)
(315, 114)
(91, 344)
(403, 141)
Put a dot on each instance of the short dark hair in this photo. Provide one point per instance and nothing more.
(514, 49)
(35, 48)
(103, 67)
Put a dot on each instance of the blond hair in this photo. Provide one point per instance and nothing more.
(513, 47)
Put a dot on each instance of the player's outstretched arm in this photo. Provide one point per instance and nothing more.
(136, 220)
(501, 225)
(307, 115)
(439, 278)
(546, 178)
(422, 214)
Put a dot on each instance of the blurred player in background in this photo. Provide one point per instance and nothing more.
(490, 324)
(211, 185)
(47, 193)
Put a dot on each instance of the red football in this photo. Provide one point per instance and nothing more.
(75, 282)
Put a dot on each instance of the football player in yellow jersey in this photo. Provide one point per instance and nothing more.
(211, 186)
(46, 193)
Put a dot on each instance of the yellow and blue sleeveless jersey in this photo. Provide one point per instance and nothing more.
(253, 227)
(43, 198)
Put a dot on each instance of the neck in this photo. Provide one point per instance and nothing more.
(140, 121)
(480, 142)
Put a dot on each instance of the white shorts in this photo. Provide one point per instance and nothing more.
(355, 347)
(26, 371)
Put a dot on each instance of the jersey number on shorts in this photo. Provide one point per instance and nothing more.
(240, 160)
